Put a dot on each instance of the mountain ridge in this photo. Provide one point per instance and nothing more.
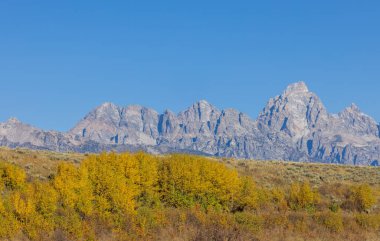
(292, 126)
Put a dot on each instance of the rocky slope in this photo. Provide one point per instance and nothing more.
(293, 126)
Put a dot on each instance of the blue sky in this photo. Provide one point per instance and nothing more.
(60, 59)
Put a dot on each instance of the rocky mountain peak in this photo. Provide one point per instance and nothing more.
(203, 105)
(353, 111)
(106, 108)
(168, 112)
(13, 120)
(293, 126)
(200, 111)
(353, 108)
(353, 120)
(107, 112)
(295, 112)
(296, 88)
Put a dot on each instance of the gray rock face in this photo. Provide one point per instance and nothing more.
(110, 124)
(296, 112)
(293, 126)
(13, 133)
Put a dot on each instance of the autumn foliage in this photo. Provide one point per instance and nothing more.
(145, 197)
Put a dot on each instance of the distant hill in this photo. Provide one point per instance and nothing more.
(292, 126)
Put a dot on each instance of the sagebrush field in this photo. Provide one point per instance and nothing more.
(138, 196)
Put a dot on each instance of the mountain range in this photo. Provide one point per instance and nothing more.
(293, 126)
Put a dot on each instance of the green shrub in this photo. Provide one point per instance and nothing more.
(250, 221)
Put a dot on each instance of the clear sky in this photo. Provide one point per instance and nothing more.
(60, 59)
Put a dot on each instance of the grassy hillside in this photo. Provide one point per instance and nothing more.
(277, 173)
(56, 196)
(266, 173)
(38, 164)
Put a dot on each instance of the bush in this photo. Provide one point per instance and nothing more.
(303, 197)
(362, 197)
(143, 197)
(9, 226)
(331, 220)
(368, 221)
(249, 196)
(250, 221)
(186, 180)
(11, 176)
(278, 199)
(298, 222)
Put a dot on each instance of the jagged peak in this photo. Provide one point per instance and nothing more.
(105, 109)
(231, 111)
(201, 110)
(13, 120)
(106, 105)
(298, 87)
(353, 107)
(138, 108)
(203, 104)
(354, 110)
(168, 112)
